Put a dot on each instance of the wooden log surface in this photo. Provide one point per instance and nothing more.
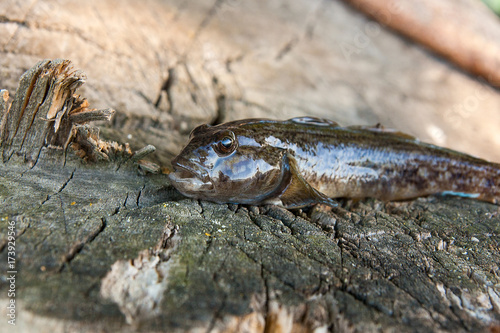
(103, 245)
(469, 40)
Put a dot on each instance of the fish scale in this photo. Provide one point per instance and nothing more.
(305, 161)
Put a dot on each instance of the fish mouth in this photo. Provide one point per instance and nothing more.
(189, 178)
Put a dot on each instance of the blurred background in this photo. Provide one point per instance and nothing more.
(421, 67)
(494, 5)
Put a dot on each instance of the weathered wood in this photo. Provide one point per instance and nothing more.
(103, 245)
(469, 40)
(100, 241)
(45, 112)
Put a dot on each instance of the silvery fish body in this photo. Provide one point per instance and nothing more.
(304, 161)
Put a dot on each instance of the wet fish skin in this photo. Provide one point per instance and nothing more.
(304, 161)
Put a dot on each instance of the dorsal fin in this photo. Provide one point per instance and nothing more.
(380, 128)
(314, 121)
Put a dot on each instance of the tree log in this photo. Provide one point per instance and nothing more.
(103, 244)
(469, 40)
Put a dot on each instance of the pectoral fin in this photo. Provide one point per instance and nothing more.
(297, 192)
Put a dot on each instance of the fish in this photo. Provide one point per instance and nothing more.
(305, 161)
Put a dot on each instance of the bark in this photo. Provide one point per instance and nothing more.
(104, 243)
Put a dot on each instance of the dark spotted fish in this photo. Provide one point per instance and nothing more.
(305, 161)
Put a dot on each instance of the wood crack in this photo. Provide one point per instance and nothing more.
(307, 32)
(13, 120)
(287, 48)
(36, 108)
(217, 314)
(78, 246)
(208, 17)
(220, 111)
(138, 198)
(258, 261)
(5, 19)
(61, 188)
(267, 300)
(167, 88)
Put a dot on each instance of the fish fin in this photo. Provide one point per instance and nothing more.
(298, 193)
(381, 129)
(461, 194)
(314, 121)
(378, 127)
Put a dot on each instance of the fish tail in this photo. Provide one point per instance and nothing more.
(479, 182)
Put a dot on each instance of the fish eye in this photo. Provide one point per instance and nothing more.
(227, 144)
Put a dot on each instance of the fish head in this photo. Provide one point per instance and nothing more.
(228, 163)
